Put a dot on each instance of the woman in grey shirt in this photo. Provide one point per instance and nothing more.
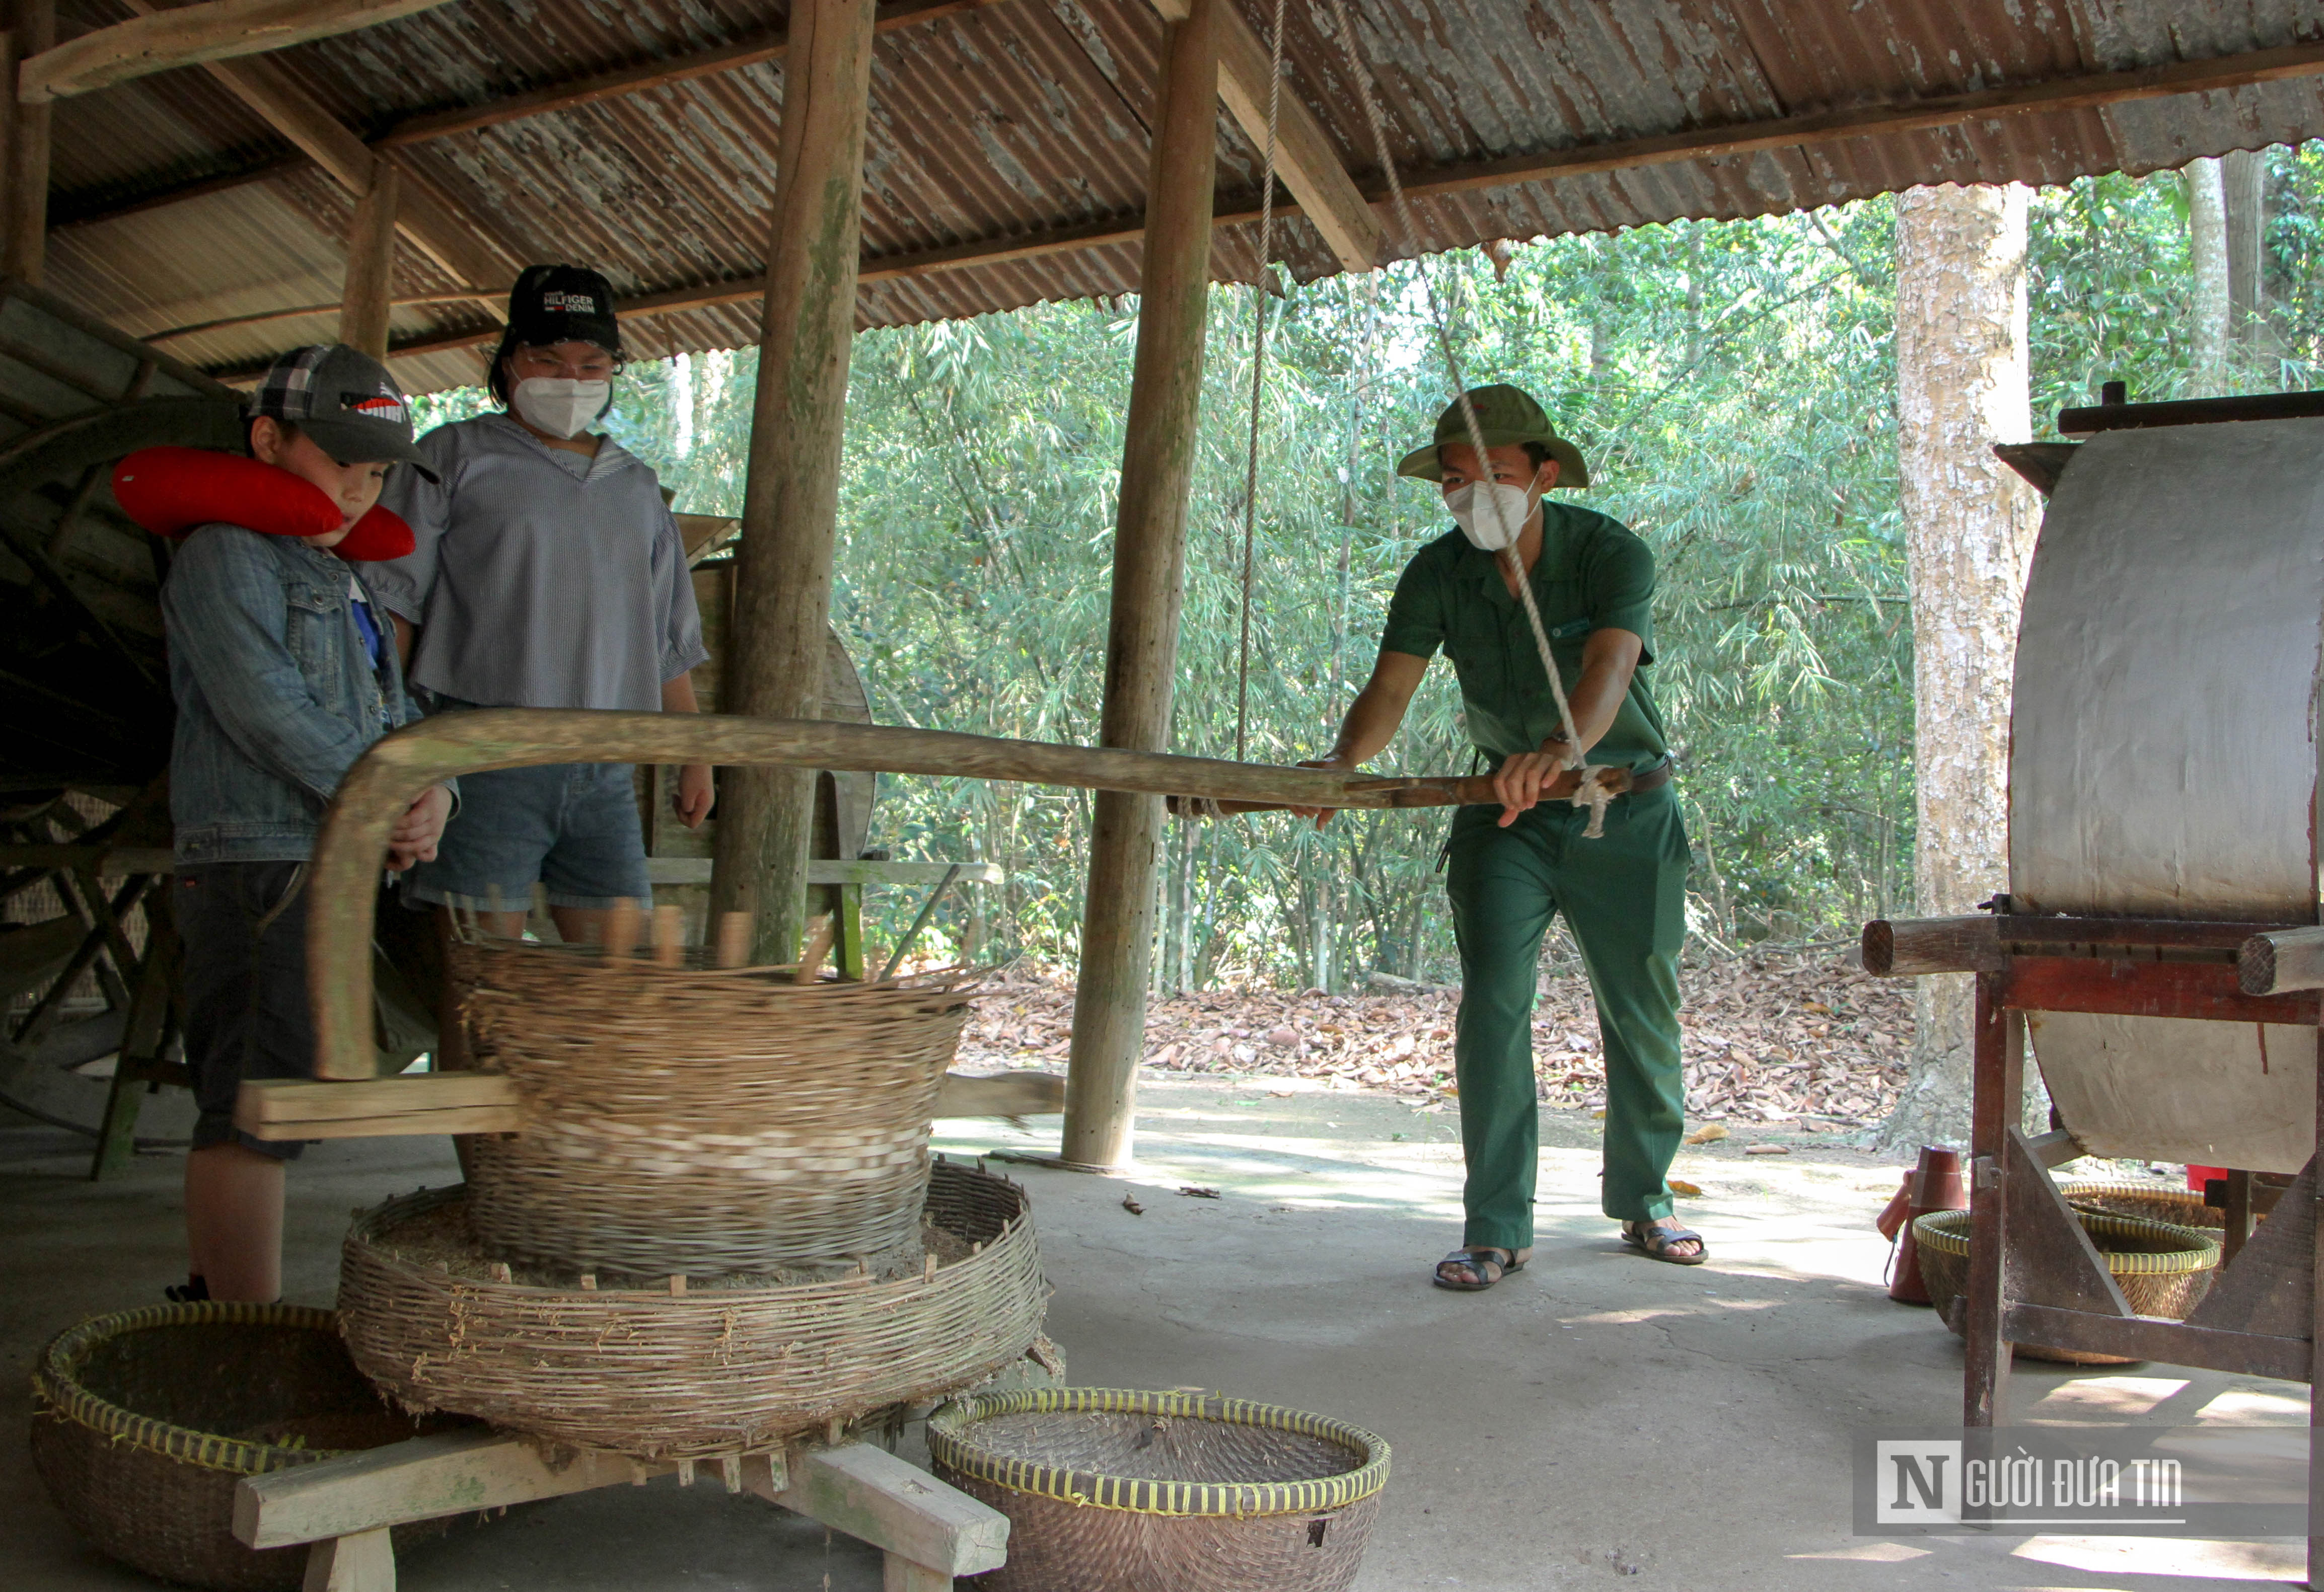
(548, 572)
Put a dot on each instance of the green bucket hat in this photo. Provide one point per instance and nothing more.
(1507, 415)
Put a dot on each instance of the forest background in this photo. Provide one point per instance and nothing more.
(1734, 386)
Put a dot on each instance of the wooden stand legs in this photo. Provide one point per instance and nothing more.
(1998, 1071)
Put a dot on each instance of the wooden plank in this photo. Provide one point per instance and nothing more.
(899, 1574)
(363, 1562)
(1149, 558)
(1996, 1096)
(2155, 1337)
(297, 1100)
(2051, 935)
(2055, 1148)
(1896, 948)
(826, 870)
(33, 954)
(395, 769)
(2269, 1287)
(790, 497)
(2191, 411)
(110, 862)
(187, 35)
(2210, 991)
(2049, 1259)
(1305, 162)
(875, 1497)
(2279, 961)
(2040, 464)
(421, 1479)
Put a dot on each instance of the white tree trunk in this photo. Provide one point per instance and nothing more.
(2207, 230)
(1969, 523)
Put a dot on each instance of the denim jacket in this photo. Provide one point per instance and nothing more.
(276, 694)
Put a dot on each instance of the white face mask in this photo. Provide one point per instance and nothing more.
(559, 407)
(1491, 513)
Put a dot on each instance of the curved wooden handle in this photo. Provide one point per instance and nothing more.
(386, 780)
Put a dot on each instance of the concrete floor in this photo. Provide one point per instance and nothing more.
(1596, 1415)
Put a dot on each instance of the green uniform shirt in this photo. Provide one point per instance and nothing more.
(1593, 573)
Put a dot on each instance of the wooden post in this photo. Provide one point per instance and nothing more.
(1149, 549)
(2315, 1334)
(28, 151)
(791, 503)
(370, 282)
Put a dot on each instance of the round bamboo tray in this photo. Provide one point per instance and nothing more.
(2181, 1208)
(703, 1119)
(1112, 1491)
(142, 1423)
(721, 1369)
(2161, 1269)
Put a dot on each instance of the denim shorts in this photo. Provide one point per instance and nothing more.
(571, 827)
(245, 928)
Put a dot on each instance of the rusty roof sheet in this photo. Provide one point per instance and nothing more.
(1013, 119)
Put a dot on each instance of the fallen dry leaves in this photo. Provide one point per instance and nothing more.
(1777, 1037)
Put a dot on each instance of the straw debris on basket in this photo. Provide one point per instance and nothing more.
(703, 1120)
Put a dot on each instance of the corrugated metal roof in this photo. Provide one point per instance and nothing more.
(1019, 117)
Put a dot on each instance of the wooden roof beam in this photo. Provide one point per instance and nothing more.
(1304, 160)
(187, 35)
(424, 215)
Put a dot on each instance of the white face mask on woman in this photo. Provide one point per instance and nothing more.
(560, 406)
(1490, 514)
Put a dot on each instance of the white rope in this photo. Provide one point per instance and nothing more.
(1257, 372)
(1591, 792)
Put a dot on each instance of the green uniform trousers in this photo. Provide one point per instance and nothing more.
(1624, 896)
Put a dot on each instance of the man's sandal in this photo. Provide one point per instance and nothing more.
(1485, 1265)
(1655, 1242)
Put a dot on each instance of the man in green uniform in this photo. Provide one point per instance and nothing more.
(1623, 894)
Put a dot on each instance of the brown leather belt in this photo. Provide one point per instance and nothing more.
(1653, 778)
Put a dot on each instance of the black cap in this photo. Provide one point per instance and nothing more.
(563, 303)
(346, 400)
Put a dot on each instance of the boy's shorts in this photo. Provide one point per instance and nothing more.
(245, 928)
(571, 827)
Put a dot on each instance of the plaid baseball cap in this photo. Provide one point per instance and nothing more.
(346, 400)
(563, 303)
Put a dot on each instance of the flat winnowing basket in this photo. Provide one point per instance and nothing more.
(703, 1120)
(1114, 1491)
(144, 1423)
(2161, 1269)
(720, 1370)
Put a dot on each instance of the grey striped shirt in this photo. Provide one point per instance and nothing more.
(541, 579)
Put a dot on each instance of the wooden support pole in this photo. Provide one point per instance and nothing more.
(790, 502)
(1967, 944)
(369, 284)
(1149, 558)
(26, 256)
(2314, 1194)
(2281, 960)
(1997, 1098)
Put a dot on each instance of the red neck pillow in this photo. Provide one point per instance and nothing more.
(170, 491)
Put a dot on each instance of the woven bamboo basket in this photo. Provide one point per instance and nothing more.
(1111, 1491)
(142, 1423)
(720, 1370)
(703, 1119)
(2162, 1270)
(2181, 1207)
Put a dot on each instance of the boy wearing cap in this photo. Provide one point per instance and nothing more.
(282, 677)
(1623, 894)
(547, 573)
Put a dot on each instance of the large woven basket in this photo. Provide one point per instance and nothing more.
(2161, 1269)
(723, 1369)
(1110, 1491)
(142, 1423)
(699, 1119)
(2181, 1208)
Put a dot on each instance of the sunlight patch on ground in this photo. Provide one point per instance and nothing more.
(2119, 1396)
(2171, 1556)
(1869, 1553)
(2254, 1406)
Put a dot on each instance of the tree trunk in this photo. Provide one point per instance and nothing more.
(1970, 524)
(2207, 230)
